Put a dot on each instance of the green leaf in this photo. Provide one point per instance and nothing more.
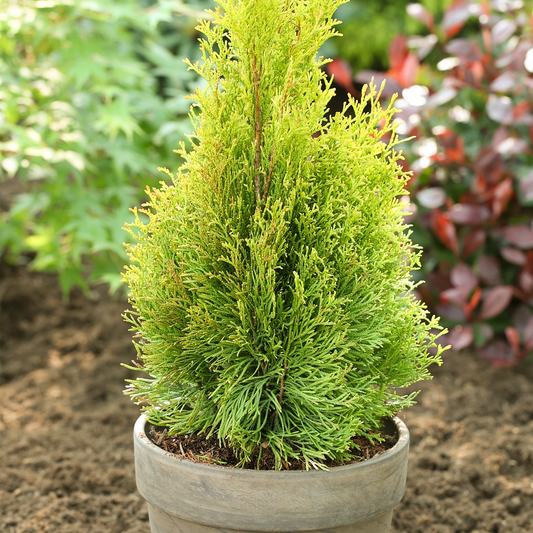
(116, 117)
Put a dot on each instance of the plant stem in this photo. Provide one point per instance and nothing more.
(267, 184)
(282, 387)
(258, 132)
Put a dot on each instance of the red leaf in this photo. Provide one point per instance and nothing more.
(474, 74)
(456, 153)
(529, 262)
(520, 110)
(495, 301)
(440, 281)
(500, 109)
(512, 145)
(519, 54)
(423, 45)
(517, 257)
(472, 304)
(455, 17)
(398, 52)
(443, 96)
(513, 337)
(451, 312)
(499, 353)
(465, 49)
(446, 136)
(525, 280)
(453, 145)
(474, 240)
(520, 236)
(409, 70)
(462, 276)
(466, 214)
(460, 337)
(444, 229)
(502, 30)
(500, 135)
(501, 195)
(488, 167)
(487, 42)
(504, 83)
(342, 74)
(432, 198)
(456, 295)
(420, 13)
(489, 270)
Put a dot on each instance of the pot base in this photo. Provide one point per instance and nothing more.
(187, 497)
(162, 522)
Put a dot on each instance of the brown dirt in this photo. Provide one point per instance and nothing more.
(206, 449)
(66, 459)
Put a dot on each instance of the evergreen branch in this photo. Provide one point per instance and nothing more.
(225, 300)
(256, 346)
(281, 388)
(258, 131)
(271, 168)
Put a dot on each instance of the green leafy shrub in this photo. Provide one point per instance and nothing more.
(91, 94)
(469, 104)
(271, 287)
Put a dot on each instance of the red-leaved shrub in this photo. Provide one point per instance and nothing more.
(467, 96)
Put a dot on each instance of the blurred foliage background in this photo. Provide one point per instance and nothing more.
(92, 102)
(369, 27)
(466, 96)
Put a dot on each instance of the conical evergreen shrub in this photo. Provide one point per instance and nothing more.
(270, 283)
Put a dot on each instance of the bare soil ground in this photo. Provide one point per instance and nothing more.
(66, 458)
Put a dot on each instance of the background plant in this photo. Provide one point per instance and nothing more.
(91, 96)
(467, 92)
(368, 28)
(271, 287)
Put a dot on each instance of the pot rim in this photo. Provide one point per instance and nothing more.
(402, 442)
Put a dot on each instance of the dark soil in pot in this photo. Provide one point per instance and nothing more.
(207, 449)
(66, 455)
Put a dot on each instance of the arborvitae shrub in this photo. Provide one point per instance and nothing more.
(271, 286)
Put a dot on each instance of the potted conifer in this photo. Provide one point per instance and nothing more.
(271, 293)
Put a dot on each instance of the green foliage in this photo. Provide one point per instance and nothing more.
(369, 27)
(91, 95)
(271, 286)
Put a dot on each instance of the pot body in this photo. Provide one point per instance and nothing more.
(187, 497)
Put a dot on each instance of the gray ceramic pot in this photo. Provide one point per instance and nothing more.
(187, 497)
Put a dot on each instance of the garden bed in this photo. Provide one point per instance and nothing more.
(66, 455)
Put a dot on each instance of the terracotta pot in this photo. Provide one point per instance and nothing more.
(189, 497)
